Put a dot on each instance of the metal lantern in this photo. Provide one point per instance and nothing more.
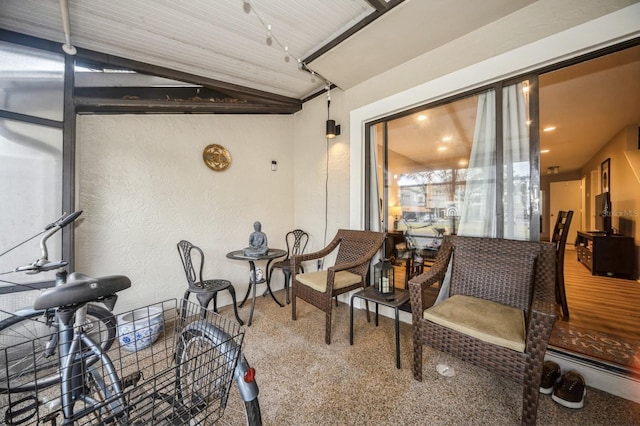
(383, 274)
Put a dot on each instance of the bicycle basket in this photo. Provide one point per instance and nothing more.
(183, 377)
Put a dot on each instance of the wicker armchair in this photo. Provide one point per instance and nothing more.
(355, 250)
(494, 283)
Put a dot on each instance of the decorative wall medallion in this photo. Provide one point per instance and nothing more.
(216, 157)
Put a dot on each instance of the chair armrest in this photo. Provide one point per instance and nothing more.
(419, 285)
(542, 314)
(296, 260)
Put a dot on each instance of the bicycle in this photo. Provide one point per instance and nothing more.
(186, 379)
(29, 324)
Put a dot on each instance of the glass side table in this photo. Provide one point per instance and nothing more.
(394, 301)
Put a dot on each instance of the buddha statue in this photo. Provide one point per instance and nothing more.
(257, 242)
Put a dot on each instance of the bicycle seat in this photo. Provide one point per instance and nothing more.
(80, 289)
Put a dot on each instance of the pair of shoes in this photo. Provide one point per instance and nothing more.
(550, 375)
(570, 390)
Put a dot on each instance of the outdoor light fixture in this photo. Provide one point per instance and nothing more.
(333, 130)
(383, 274)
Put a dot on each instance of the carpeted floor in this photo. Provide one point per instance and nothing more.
(303, 381)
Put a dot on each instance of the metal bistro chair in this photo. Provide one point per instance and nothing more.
(296, 244)
(205, 290)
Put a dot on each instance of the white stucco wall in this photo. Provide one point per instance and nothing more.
(143, 186)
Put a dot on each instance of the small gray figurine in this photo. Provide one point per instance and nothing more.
(257, 242)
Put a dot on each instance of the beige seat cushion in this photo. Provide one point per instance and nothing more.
(483, 319)
(318, 280)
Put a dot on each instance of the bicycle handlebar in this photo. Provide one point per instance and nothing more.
(64, 220)
(43, 264)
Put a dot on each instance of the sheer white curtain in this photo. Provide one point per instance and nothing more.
(375, 184)
(478, 216)
(516, 161)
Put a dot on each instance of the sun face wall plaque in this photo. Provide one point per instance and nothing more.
(216, 157)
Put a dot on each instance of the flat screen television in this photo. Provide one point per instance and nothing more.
(603, 213)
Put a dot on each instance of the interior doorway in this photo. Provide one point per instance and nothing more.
(564, 196)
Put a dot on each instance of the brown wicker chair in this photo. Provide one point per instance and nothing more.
(511, 282)
(355, 250)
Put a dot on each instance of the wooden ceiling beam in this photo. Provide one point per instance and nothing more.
(381, 9)
(379, 5)
(144, 106)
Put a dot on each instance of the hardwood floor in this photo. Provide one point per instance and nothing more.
(599, 303)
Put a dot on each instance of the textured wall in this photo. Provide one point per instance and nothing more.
(317, 180)
(143, 187)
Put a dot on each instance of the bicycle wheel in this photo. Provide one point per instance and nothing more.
(24, 365)
(203, 376)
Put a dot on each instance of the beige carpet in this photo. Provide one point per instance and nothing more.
(303, 381)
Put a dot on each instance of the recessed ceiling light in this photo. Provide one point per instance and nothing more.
(446, 139)
(544, 151)
(442, 148)
(549, 129)
(422, 117)
(463, 162)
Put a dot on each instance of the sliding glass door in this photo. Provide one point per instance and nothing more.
(458, 167)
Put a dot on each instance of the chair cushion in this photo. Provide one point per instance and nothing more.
(318, 280)
(486, 320)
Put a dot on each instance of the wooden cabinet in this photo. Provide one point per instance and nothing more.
(611, 255)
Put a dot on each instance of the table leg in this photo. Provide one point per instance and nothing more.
(376, 314)
(252, 284)
(397, 337)
(269, 284)
(246, 296)
(351, 320)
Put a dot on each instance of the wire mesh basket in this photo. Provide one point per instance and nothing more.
(168, 363)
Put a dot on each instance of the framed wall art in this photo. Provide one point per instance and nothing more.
(605, 175)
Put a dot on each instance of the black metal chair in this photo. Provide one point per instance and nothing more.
(559, 238)
(205, 290)
(296, 244)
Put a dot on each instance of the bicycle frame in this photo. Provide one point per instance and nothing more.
(72, 368)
